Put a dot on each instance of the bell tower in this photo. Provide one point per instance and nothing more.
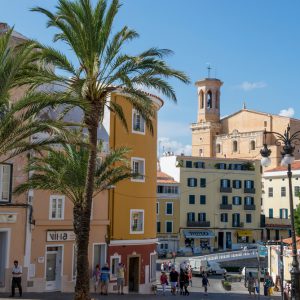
(208, 118)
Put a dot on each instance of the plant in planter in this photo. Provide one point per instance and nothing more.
(226, 285)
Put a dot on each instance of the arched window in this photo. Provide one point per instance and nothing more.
(217, 103)
(218, 148)
(234, 146)
(209, 99)
(201, 99)
(252, 145)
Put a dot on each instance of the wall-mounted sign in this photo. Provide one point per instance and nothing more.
(8, 218)
(60, 236)
(41, 259)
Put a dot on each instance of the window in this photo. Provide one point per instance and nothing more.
(114, 262)
(138, 168)
(202, 199)
(283, 191)
(235, 220)
(169, 208)
(249, 184)
(202, 182)
(297, 191)
(221, 166)
(209, 100)
(157, 208)
(202, 217)
(271, 213)
(191, 216)
(136, 221)
(234, 146)
(99, 254)
(192, 182)
(169, 226)
(270, 192)
(237, 184)
(153, 257)
(252, 145)
(188, 164)
(225, 183)
(5, 182)
(248, 218)
(191, 199)
(74, 266)
(236, 200)
(158, 227)
(224, 200)
(218, 148)
(57, 207)
(249, 200)
(138, 122)
(201, 100)
(283, 213)
(199, 165)
(167, 189)
(265, 123)
(224, 217)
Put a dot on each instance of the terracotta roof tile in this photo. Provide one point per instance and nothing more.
(164, 178)
(295, 166)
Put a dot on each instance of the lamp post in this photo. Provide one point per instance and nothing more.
(287, 140)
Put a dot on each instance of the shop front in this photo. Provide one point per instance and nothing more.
(199, 240)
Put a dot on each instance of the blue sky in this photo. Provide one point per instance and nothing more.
(253, 46)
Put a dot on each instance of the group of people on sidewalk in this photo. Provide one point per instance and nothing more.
(253, 285)
(180, 282)
(102, 276)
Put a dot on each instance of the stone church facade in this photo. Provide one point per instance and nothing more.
(239, 135)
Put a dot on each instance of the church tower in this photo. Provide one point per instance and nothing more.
(208, 119)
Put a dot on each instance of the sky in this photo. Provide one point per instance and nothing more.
(253, 46)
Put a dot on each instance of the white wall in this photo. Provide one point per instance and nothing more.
(168, 166)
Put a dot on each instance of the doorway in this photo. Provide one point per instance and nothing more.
(3, 256)
(228, 240)
(133, 274)
(221, 240)
(53, 268)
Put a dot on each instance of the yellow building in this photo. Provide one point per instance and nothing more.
(219, 201)
(276, 205)
(239, 135)
(167, 214)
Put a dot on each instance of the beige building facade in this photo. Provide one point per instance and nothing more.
(239, 135)
(167, 214)
(220, 201)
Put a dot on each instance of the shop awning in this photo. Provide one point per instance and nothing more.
(198, 234)
(244, 232)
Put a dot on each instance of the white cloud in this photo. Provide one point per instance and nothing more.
(287, 112)
(173, 129)
(170, 145)
(248, 86)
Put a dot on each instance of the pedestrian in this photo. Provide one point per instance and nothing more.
(96, 277)
(181, 281)
(205, 283)
(190, 276)
(170, 265)
(120, 278)
(16, 279)
(268, 283)
(174, 276)
(164, 281)
(162, 267)
(104, 278)
(251, 284)
(186, 283)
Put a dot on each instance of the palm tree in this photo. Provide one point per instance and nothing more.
(19, 125)
(102, 67)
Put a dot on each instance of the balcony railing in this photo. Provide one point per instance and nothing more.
(198, 223)
(249, 207)
(226, 206)
(249, 190)
(225, 189)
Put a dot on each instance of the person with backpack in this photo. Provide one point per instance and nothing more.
(205, 283)
(164, 281)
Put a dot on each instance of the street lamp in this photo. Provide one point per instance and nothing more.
(287, 140)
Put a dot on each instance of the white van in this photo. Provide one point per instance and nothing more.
(216, 269)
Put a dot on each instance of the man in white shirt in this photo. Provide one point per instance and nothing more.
(16, 279)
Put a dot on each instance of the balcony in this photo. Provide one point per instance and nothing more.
(249, 190)
(238, 225)
(249, 207)
(277, 222)
(198, 224)
(226, 206)
(225, 189)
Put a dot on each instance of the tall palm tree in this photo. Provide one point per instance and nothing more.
(101, 68)
(19, 125)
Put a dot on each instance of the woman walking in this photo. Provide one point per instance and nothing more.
(251, 284)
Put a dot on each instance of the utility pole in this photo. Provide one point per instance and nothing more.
(281, 268)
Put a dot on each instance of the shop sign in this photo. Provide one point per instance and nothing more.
(60, 236)
(8, 218)
(262, 251)
(244, 232)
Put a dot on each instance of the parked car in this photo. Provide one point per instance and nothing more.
(216, 269)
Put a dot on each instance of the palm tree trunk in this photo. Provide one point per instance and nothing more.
(82, 215)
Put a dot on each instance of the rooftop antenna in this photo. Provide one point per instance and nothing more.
(208, 70)
(244, 105)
